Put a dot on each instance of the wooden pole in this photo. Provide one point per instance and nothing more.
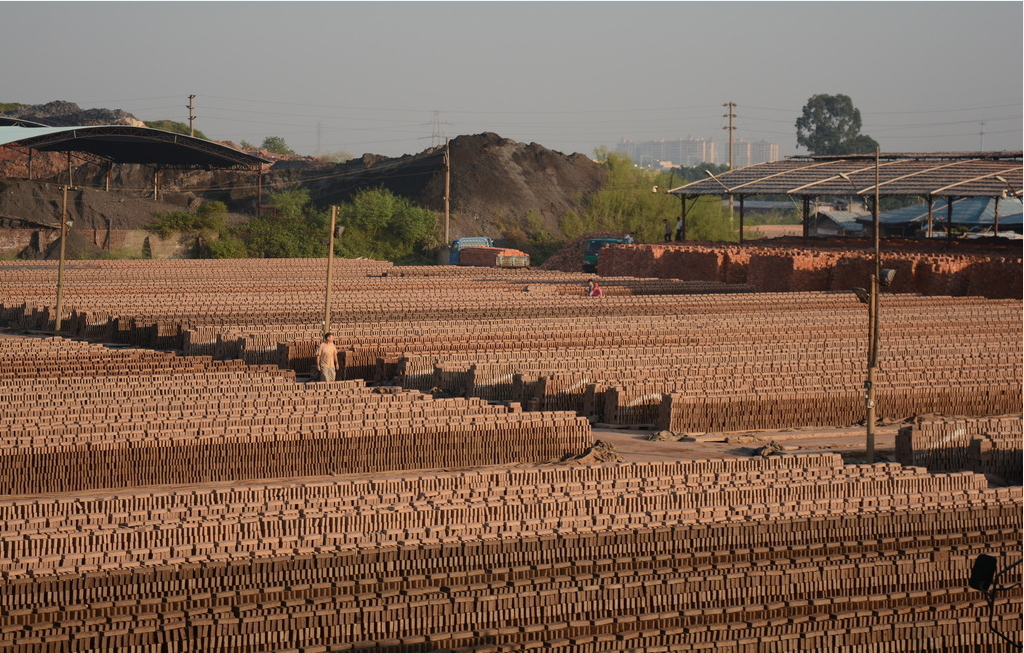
(330, 271)
(447, 190)
(60, 265)
(869, 399)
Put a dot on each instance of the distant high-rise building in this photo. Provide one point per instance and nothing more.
(685, 152)
(689, 152)
(747, 153)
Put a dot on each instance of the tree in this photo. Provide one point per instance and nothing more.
(298, 230)
(830, 124)
(382, 225)
(276, 145)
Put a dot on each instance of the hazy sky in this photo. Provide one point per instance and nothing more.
(368, 77)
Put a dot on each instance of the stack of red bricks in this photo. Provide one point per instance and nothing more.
(80, 416)
(794, 269)
(777, 554)
(987, 445)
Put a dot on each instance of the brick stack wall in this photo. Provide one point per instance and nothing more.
(988, 445)
(785, 553)
(793, 269)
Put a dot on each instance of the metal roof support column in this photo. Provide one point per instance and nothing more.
(995, 223)
(929, 232)
(71, 182)
(259, 190)
(949, 221)
(156, 183)
(741, 219)
(106, 186)
(807, 210)
(682, 218)
(30, 164)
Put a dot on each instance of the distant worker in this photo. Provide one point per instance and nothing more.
(327, 358)
(629, 238)
(668, 231)
(679, 230)
(594, 289)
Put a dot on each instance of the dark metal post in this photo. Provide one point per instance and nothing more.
(259, 191)
(682, 218)
(930, 222)
(741, 219)
(949, 221)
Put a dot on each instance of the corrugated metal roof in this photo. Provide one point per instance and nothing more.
(966, 212)
(126, 144)
(972, 174)
(844, 217)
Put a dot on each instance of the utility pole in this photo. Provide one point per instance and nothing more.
(447, 188)
(731, 128)
(981, 134)
(330, 271)
(869, 395)
(191, 116)
(730, 106)
(60, 265)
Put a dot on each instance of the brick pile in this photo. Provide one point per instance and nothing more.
(794, 269)
(79, 417)
(486, 256)
(990, 445)
(154, 303)
(778, 554)
(156, 502)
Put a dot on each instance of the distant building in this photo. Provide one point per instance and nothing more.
(685, 152)
(689, 152)
(748, 153)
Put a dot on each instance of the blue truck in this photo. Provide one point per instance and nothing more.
(460, 244)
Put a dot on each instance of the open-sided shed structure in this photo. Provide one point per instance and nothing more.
(928, 175)
(126, 144)
(120, 144)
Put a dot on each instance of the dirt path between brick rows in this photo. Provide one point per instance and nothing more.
(850, 442)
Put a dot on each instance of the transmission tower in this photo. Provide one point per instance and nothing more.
(437, 136)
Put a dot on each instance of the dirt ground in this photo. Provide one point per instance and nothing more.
(850, 442)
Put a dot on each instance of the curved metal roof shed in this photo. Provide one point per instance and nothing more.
(118, 144)
(929, 175)
(126, 144)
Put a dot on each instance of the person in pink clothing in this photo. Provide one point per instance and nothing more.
(594, 289)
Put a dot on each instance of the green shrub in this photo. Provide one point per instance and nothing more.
(226, 246)
(381, 225)
(209, 216)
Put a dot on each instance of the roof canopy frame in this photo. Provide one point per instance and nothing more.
(967, 174)
(127, 144)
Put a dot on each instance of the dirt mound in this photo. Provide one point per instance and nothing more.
(65, 114)
(78, 247)
(31, 205)
(498, 186)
